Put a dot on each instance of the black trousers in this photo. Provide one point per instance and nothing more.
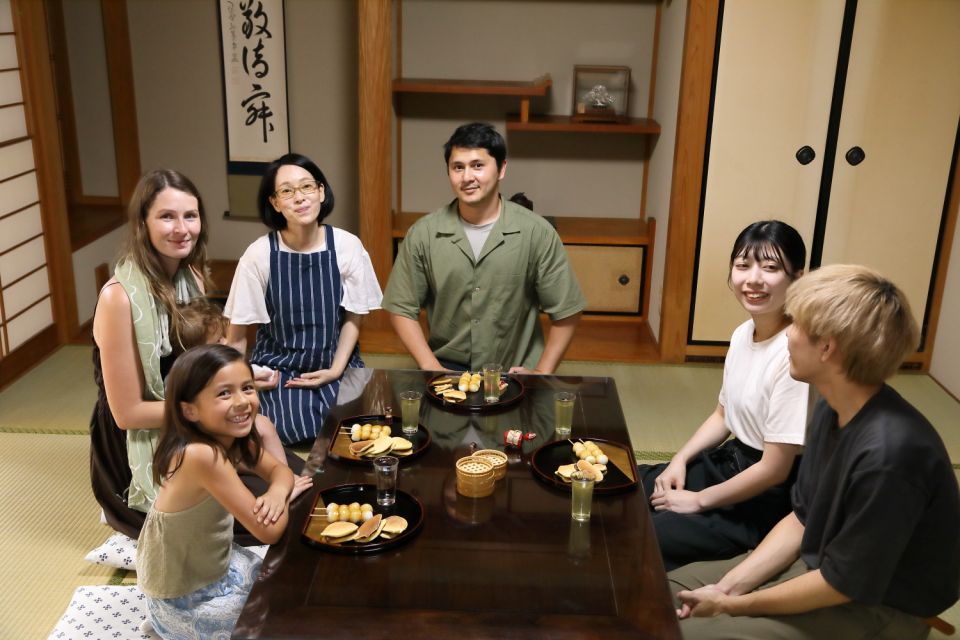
(719, 533)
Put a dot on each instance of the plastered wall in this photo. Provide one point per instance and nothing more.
(179, 92)
(565, 174)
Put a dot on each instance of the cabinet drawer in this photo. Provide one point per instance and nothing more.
(600, 270)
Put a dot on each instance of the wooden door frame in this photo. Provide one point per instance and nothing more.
(375, 99)
(696, 81)
(36, 75)
(123, 104)
(119, 64)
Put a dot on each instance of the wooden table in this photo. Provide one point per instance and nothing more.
(513, 565)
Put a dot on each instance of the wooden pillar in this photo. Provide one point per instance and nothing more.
(126, 141)
(695, 82)
(375, 100)
(36, 76)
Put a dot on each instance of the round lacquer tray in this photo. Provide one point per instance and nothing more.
(621, 472)
(406, 506)
(339, 448)
(474, 403)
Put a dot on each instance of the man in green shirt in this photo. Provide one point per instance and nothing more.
(483, 268)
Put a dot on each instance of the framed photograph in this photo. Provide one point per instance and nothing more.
(601, 93)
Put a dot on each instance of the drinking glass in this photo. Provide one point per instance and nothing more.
(386, 471)
(563, 412)
(410, 411)
(491, 382)
(581, 498)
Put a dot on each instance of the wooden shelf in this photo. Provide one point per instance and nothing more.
(628, 232)
(537, 87)
(565, 124)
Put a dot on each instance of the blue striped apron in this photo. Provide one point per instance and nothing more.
(303, 301)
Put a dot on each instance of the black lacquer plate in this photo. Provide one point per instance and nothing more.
(339, 448)
(406, 506)
(474, 402)
(621, 472)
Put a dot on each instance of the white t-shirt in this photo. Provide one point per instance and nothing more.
(761, 402)
(247, 302)
(477, 235)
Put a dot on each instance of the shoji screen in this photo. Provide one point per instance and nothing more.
(25, 305)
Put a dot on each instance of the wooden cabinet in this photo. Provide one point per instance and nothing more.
(612, 277)
(879, 76)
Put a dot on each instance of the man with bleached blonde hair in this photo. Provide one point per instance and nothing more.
(872, 546)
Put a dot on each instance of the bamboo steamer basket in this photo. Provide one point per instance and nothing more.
(475, 477)
(497, 458)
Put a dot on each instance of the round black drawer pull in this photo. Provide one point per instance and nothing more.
(624, 280)
(855, 156)
(806, 154)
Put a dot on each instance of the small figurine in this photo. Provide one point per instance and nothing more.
(599, 98)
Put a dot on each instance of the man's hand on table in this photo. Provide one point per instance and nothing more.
(526, 371)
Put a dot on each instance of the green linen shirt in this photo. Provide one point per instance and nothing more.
(484, 310)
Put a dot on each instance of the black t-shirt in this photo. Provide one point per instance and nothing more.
(880, 507)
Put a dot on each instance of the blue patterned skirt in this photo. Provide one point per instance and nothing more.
(210, 612)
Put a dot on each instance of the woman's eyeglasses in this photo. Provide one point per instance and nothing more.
(306, 188)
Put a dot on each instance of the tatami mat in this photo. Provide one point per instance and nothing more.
(62, 384)
(50, 523)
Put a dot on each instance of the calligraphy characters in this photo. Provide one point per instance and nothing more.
(254, 27)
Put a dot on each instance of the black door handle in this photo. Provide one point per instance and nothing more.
(624, 280)
(855, 156)
(806, 154)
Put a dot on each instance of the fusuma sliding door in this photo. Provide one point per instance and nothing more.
(841, 119)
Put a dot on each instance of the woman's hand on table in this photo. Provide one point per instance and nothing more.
(313, 379)
(676, 500)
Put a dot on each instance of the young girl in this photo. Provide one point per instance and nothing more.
(201, 322)
(713, 500)
(307, 285)
(195, 579)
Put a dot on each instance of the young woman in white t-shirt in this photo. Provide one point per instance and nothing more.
(307, 285)
(720, 495)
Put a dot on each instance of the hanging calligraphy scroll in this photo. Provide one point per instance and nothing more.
(255, 93)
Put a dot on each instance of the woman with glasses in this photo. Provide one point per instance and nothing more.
(306, 284)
